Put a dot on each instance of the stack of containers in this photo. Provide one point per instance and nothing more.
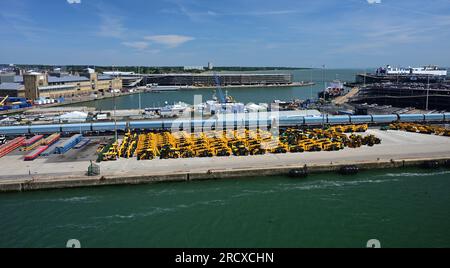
(63, 147)
(32, 143)
(35, 154)
(11, 146)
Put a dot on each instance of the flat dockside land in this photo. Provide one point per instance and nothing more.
(397, 149)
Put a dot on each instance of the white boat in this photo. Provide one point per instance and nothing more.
(175, 110)
(157, 88)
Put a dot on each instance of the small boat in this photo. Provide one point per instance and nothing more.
(157, 88)
(335, 89)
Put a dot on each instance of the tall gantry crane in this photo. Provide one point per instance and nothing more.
(222, 98)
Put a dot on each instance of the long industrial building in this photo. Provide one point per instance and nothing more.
(34, 85)
(227, 79)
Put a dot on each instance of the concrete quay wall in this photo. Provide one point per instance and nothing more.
(19, 185)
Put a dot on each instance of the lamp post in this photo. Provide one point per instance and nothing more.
(428, 92)
(115, 118)
(310, 83)
(324, 92)
(139, 101)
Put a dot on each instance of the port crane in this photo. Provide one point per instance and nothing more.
(222, 98)
(3, 101)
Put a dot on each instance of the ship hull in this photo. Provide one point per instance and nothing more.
(370, 79)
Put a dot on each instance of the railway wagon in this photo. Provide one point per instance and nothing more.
(287, 121)
(315, 120)
(45, 129)
(145, 125)
(447, 117)
(434, 117)
(411, 117)
(109, 126)
(339, 119)
(361, 119)
(15, 130)
(389, 118)
(74, 128)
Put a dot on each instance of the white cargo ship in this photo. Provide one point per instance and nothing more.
(426, 70)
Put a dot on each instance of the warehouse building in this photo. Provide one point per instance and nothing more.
(208, 80)
(42, 85)
(12, 89)
(11, 85)
(34, 85)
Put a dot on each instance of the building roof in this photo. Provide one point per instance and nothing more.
(105, 77)
(66, 79)
(18, 79)
(11, 86)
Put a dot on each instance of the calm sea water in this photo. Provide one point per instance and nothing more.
(245, 95)
(401, 208)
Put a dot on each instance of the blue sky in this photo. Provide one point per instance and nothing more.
(337, 33)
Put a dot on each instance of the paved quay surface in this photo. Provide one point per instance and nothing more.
(396, 145)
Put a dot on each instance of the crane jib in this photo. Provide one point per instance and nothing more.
(219, 90)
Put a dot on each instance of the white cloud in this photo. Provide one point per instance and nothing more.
(374, 1)
(111, 26)
(74, 1)
(137, 45)
(170, 40)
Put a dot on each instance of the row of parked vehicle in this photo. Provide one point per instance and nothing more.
(419, 128)
(242, 142)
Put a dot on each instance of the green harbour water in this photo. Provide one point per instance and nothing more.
(245, 95)
(401, 208)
